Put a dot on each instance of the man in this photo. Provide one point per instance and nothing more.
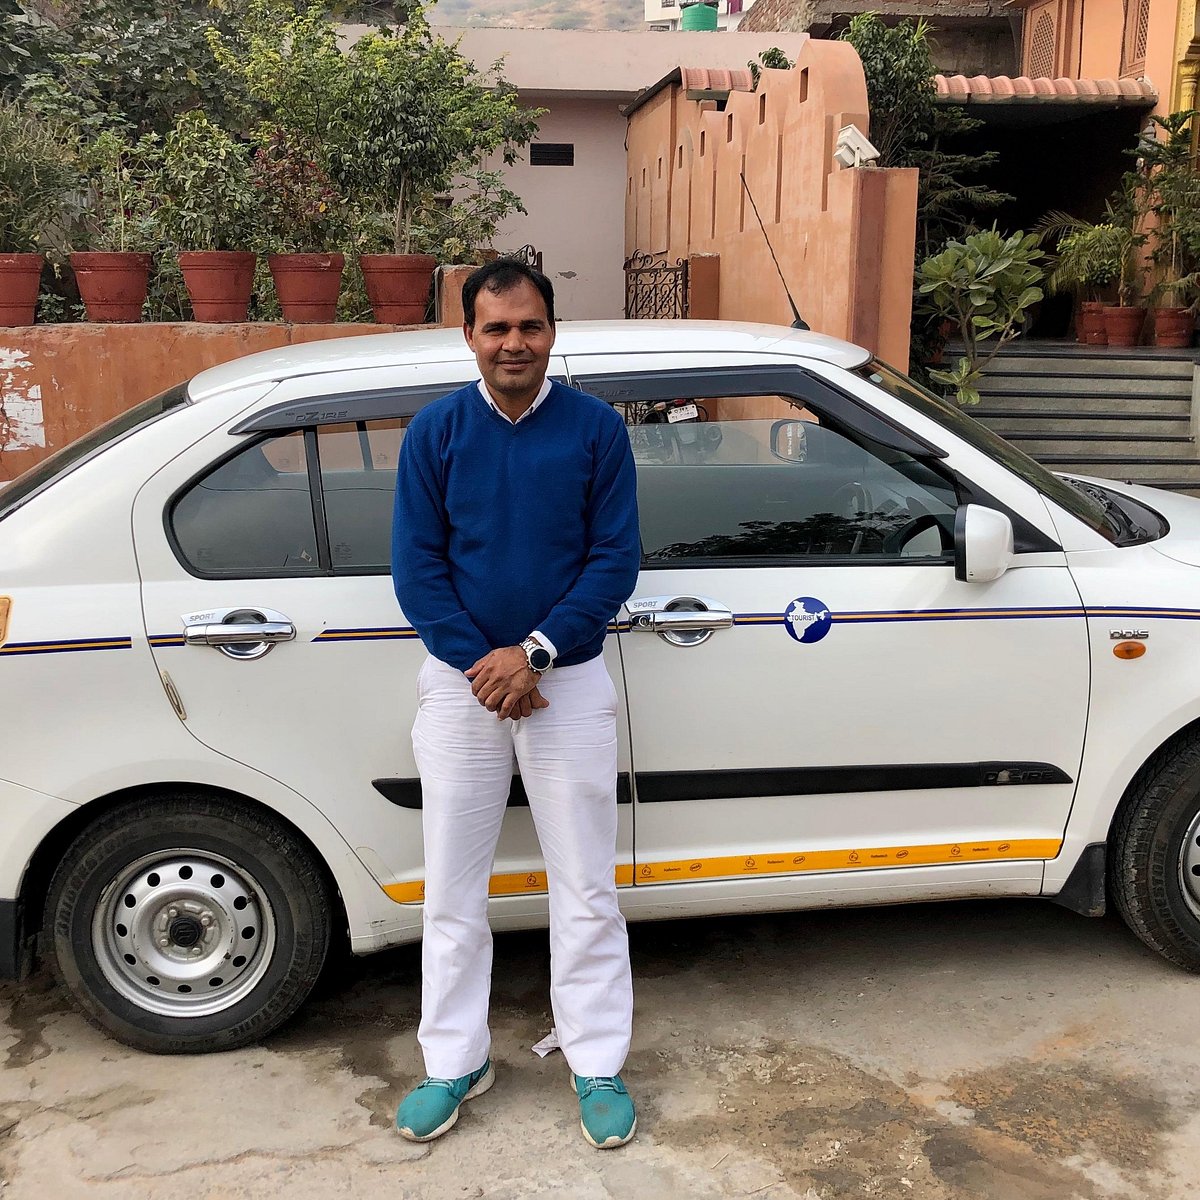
(515, 543)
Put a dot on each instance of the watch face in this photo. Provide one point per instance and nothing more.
(539, 659)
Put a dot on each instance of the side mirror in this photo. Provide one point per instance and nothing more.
(789, 440)
(983, 544)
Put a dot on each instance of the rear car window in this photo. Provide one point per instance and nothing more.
(62, 462)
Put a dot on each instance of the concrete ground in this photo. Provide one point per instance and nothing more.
(984, 1051)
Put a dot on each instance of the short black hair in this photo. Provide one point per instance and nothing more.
(499, 276)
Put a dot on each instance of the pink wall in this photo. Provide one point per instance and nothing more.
(844, 238)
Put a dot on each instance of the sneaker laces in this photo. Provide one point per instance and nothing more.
(600, 1083)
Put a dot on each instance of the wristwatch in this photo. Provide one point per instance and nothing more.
(537, 656)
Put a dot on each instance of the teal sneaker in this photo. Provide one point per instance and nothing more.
(606, 1113)
(432, 1106)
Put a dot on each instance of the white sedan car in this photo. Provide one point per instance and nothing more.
(875, 655)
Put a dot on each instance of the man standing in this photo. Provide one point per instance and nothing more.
(515, 543)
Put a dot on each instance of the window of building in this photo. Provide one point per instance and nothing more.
(1133, 47)
(1042, 47)
(552, 154)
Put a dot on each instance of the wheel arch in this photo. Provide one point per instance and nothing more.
(35, 884)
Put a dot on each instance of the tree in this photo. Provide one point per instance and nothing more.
(419, 116)
(127, 62)
(911, 129)
(985, 285)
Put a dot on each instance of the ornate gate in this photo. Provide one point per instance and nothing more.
(654, 287)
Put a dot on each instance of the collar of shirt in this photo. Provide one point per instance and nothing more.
(543, 392)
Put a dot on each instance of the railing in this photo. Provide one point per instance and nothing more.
(655, 288)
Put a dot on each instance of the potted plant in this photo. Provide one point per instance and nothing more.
(116, 228)
(984, 284)
(302, 214)
(210, 209)
(37, 173)
(1174, 205)
(417, 117)
(1126, 213)
(1087, 263)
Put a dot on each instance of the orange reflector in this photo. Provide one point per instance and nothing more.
(1129, 649)
(5, 606)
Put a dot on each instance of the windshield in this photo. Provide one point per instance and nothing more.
(1095, 508)
(25, 486)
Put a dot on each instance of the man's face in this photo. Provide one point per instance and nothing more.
(512, 338)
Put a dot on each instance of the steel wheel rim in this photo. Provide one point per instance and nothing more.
(1189, 866)
(183, 933)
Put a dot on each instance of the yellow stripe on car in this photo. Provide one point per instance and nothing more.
(773, 863)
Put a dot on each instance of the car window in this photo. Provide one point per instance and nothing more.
(252, 515)
(765, 477)
(358, 479)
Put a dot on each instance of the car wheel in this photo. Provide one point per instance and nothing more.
(184, 924)
(1154, 856)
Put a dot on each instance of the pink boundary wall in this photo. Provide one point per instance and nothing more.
(845, 238)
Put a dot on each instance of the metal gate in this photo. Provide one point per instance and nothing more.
(655, 288)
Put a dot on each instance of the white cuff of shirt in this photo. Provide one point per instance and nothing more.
(541, 637)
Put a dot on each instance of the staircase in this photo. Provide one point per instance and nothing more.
(1091, 410)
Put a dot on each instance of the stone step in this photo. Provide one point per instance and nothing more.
(1117, 447)
(1138, 406)
(1111, 384)
(1071, 356)
(1124, 363)
(1084, 424)
(1143, 468)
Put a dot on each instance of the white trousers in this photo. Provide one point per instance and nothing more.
(567, 755)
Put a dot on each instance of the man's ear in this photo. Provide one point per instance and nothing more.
(467, 335)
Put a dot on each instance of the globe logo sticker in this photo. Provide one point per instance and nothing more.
(807, 619)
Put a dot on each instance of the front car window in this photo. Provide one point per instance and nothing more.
(1116, 518)
(58, 464)
(765, 477)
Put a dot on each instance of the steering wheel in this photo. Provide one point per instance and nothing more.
(848, 494)
(895, 541)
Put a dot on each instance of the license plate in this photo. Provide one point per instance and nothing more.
(685, 412)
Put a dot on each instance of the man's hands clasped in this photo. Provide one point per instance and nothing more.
(504, 683)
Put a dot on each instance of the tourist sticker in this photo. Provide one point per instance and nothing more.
(807, 619)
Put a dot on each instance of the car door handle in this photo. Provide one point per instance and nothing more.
(680, 620)
(239, 635)
(245, 633)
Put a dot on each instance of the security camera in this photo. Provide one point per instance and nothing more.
(853, 149)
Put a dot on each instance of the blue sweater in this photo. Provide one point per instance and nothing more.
(502, 529)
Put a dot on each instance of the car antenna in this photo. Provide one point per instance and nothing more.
(799, 322)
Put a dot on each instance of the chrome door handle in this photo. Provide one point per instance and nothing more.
(244, 633)
(680, 620)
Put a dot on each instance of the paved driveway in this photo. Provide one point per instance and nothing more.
(987, 1051)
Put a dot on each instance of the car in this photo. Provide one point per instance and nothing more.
(875, 655)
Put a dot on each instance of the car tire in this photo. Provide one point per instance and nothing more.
(1154, 854)
(185, 923)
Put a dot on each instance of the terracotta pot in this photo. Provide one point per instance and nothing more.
(112, 283)
(1089, 324)
(20, 275)
(398, 286)
(307, 285)
(1123, 324)
(1173, 326)
(219, 283)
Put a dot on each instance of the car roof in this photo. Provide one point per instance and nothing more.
(573, 338)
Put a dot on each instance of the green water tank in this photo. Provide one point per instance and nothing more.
(699, 16)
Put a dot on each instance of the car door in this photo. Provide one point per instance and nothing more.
(268, 603)
(810, 688)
